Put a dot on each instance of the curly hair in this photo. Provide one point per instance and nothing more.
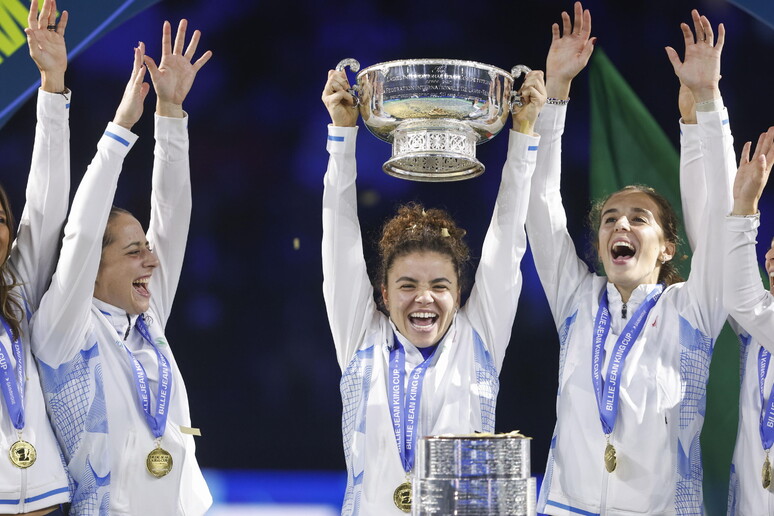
(666, 218)
(414, 229)
(10, 304)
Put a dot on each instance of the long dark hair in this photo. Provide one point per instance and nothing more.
(10, 304)
(666, 218)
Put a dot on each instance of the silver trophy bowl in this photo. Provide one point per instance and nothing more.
(434, 112)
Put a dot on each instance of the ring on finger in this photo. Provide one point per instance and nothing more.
(51, 27)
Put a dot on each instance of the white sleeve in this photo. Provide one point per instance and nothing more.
(693, 181)
(560, 269)
(170, 210)
(744, 296)
(706, 291)
(62, 321)
(693, 184)
(491, 307)
(35, 249)
(346, 287)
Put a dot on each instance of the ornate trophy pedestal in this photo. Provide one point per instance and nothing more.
(474, 475)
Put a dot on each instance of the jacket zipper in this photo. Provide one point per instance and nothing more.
(623, 311)
(23, 492)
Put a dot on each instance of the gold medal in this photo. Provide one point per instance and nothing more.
(402, 497)
(159, 462)
(22, 454)
(610, 460)
(766, 473)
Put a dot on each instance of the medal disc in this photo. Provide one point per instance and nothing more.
(159, 462)
(766, 473)
(22, 454)
(402, 497)
(610, 459)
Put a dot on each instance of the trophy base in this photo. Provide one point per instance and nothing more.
(446, 151)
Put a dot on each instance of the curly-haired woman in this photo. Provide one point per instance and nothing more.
(423, 365)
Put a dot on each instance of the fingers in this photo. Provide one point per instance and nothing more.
(180, 37)
(51, 15)
(745, 156)
(673, 58)
(32, 17)
(586, 32)
(166, 39)
(554, 32)
(566, 24)
(687, 35)
(721, 37)
(191, 50)
(697, 26)
(577, 18)
(202, 60)
(60, 28)
(709, 35)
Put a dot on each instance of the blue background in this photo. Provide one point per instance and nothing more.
(249, 324)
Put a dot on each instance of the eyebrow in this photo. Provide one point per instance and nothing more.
(634, 209)
(436, 280)
(138, 244)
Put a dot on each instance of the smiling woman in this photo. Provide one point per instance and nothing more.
(427, 366)
(635, 343)
(114, 391)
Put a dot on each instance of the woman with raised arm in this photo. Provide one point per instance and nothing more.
(752, 309)
(423, 365)
(33, 480)
(635, 344)
(114, 392)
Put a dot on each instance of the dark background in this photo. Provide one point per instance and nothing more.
(249, 326)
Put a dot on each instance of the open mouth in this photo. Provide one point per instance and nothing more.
(141, 286)
(423, 321)
(621, 251)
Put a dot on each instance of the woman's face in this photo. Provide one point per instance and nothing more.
(422, 295)
(631, 241)
(126, 267)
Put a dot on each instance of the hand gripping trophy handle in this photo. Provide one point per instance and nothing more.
(516, 72)
(354, 65)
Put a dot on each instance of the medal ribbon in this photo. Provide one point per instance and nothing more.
(12, 385)
(404, 403)
(156, 421)
(767, 410)
(608, 390)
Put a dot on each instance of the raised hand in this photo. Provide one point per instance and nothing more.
(700, 70)
(174, 75)
(570, 51)
(45, 39)
(130, 109)
(753, 173)
(339, 102)
(533, 97)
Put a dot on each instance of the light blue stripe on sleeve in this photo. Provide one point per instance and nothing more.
(532, 148)
(117, 138)
(725, 121)
(336, 138)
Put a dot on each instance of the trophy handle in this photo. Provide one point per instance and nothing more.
(516, 72)
(353, 65)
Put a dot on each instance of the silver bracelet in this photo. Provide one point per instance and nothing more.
(557, 102)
